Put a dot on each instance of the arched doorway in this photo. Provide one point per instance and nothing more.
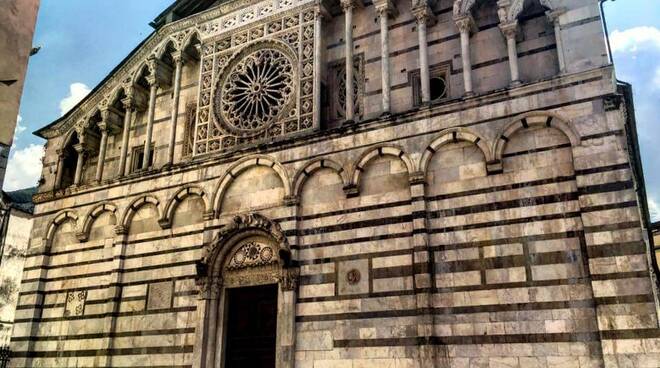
(247, 304)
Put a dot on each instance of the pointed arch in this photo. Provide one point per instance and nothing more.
(378, 151)
(534, 119)
(190, 39)
(92, 215)
(168, 213)
(323, 163)
(168, 44)
(60, 218)
(235, 170)
(517, 6)
(134, 207)
(453, 135)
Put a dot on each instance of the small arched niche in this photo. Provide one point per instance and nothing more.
(247, 296)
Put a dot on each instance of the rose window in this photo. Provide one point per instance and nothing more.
(255, 91)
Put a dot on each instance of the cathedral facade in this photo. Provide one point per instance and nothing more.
(296, 183)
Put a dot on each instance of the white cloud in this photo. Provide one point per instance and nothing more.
(655, 84)
(654, 209)
(24, 167)
(19, 128)
(634, 39)
(77, 91)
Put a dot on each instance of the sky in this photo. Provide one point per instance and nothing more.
(83, 40)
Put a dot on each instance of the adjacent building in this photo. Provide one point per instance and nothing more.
(296, 183)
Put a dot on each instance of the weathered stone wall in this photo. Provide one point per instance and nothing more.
(497, 230)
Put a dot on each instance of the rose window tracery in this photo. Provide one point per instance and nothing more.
(257, 89)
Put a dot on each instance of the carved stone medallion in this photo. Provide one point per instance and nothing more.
(255, 91)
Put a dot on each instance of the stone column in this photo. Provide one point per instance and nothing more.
(465, 24)
(129, 106)
(103, 126)
(179, 61)
(553, 17)
(80, 148)
(153, 87)
(348, 6)
(385, 9)
(318, 60)
(424, 16)
(61, 156)
(510, 30)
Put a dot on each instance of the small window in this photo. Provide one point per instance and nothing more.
(138, 158)
(438, 84)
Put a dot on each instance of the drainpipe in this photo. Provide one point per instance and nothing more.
(607, 35)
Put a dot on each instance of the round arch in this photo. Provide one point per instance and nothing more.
(58, 220)
(379, 151)
(165, 221)
(453, 135)
(533, 119)
(92, 215)
(134, 207)
(308, 170)
(235, 170)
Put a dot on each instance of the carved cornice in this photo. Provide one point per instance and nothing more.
(207, 24)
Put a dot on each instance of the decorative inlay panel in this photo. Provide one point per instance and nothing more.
(75, 303)
(257, 82)
(159, 295)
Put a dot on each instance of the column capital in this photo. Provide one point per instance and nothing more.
(111, 120)
(128, 102)
(423, 13)
(510, 29)
(350, 4)
(386, 8)
(81, 148)
(62, 153)
(553, 15)
(180, 57)
(159, 72)
(465, 24)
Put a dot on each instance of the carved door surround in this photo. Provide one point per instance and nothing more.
(251, 250)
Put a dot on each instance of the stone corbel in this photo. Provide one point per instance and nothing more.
(121, 230)
(208, 215)
(351, 190)
(160, 74)
(417, 178)
(494, 167)
(291, 200)
(111, 120)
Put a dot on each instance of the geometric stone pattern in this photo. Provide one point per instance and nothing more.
(496, 230)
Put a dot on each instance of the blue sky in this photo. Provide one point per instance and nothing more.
(83, 40)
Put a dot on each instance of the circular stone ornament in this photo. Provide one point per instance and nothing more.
(256, 89)
(353, 276)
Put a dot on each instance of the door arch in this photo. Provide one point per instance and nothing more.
(250, 251)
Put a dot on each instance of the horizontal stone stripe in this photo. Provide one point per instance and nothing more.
(105, 352)
(87, 302)
(354, 240)
(101, 335)
(616, 249)
(381, 294)
(625, 299)
(613, 227)
(536, 150)
(161, 266)
(619, 275)
(521, 220)
(631, 334)
(350, 210)
(469, 340)
(609, 206)
(363, 127)
(105, 286)
(503, 205)
(508, 261)
(191, 308)
(615, 132)
(499, 188)
(501, 241)
(606, 187)
(601, 169)
(65, 265)
(321, 278)
(69, 251)
(351, 225)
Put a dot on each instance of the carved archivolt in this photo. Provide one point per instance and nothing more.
(250, 250)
